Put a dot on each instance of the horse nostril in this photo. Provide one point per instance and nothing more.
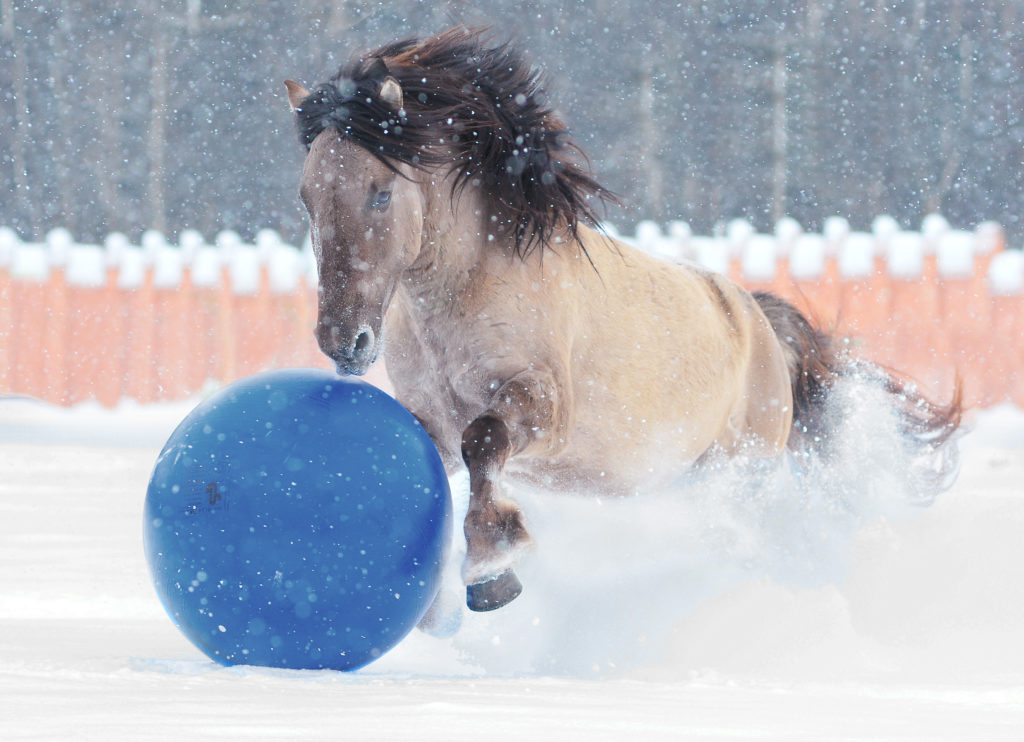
(363, 340)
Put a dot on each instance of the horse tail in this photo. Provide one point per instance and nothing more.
(817, 362)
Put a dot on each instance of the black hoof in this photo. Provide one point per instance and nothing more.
(492, 594)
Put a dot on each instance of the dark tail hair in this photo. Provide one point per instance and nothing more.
(815, 364)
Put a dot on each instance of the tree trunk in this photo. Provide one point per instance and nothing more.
(7, 9)
(951, 135)
(780, 133)
(23, 129)
(108, 112)
(62, 129)
(654, 179)
(156, 144)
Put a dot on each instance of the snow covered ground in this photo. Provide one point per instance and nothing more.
(717, 615)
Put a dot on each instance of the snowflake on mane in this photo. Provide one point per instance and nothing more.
(473, 105)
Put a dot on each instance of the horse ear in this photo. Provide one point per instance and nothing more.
(391, 93)
(296, 94)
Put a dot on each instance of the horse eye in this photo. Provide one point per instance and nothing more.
(381, 200)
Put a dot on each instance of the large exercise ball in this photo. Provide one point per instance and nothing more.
(297, 519)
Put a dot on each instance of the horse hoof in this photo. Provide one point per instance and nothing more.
(489, 595)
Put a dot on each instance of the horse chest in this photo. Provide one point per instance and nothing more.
(442, 381)
(467, 375)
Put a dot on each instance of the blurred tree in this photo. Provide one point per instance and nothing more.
(126, 116)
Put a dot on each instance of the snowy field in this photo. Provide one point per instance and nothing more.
(717, 614)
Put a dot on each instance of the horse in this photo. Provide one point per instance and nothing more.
(455, 227)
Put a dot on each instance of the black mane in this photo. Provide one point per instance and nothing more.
(472, 104)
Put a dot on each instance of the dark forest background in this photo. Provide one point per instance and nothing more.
(124, 116)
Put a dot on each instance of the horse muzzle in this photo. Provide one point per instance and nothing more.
(352, 352)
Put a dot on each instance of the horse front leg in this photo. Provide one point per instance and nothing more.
(521, 418)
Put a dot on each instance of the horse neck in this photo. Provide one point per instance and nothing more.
(462, 237)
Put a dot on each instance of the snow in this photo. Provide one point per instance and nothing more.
(8, 242)
(190, 241)
(708, 252)
(760, 258)
(131, 266)
(807, 259)
(86, 266)
(286, 268)
(787, 231)
(244, 269)
(906, 256)
(884, 227)
(934, 226)
(206, 267)
(1006, 273)
(719, 615)
(955, 254)
(857, 256)
(30, 262)
(168, 268)
(835, 230)
(989, 238)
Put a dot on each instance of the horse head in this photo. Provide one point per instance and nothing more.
(366, 223)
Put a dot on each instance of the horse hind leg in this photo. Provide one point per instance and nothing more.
(928, 428)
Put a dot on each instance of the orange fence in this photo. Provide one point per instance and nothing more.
(156, 322)
(150, 323)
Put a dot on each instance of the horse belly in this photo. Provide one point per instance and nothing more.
(640, 446)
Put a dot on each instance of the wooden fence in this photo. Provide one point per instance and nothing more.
(155, 322)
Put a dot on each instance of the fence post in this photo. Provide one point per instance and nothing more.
(172, 295)
(246, 322)
(139, 363)
(8, 244)
(56, 337)
(964, 311)
(913, 311)
(305, 319)
(225, 345)
(863, 297)
(817, 297)
(759, 263)
(87, 363)
(206, 269)
(1005, 379)
(30, 275)
(110, 384)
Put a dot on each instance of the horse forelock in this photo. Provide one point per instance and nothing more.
(472, 104)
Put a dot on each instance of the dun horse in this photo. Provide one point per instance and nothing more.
(449, 216)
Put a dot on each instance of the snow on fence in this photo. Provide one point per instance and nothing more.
(152, 321)
(159, 322)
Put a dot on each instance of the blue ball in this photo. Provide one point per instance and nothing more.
(297, 519)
